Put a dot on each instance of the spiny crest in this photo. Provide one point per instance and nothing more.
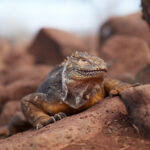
(79, 54)
(75, 55)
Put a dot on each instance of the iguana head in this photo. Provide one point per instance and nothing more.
(81, 72)
(83, 66)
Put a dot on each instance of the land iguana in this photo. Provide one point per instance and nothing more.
(75, 85)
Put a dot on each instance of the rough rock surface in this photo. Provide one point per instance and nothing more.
(143, 75)
(137, 102)
(102, 126)
(51, 46)
(132, 26)
(125, 56)
(72, 129)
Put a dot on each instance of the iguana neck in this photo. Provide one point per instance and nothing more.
(74, 91)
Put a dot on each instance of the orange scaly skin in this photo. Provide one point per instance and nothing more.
(77, 84)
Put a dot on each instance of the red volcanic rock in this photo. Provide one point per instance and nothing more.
(51, 46)
(132, 25)
(102, 126)
(35, 73)
(71, 130)
(9, 110)
(146, 10)
(18, 89)
(15, 59)
(125, 56)
(143, 75)
(5, 50)
(22, 82)
(137, 102)
(19, 57)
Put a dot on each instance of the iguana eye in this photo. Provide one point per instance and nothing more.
(83, 61)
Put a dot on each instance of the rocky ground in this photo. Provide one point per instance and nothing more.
(121, 123)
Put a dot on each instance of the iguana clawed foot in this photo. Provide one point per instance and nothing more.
(118, 89)
(52, 119)
(59, 116)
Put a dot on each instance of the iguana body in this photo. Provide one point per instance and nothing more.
(75, 85)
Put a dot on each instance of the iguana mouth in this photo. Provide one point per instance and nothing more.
(93, 71)
(90, 72)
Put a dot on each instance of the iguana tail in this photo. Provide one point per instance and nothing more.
(4, 132)
(18, 123)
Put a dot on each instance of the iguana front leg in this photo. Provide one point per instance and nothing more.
(114, 87)
(39, 112)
